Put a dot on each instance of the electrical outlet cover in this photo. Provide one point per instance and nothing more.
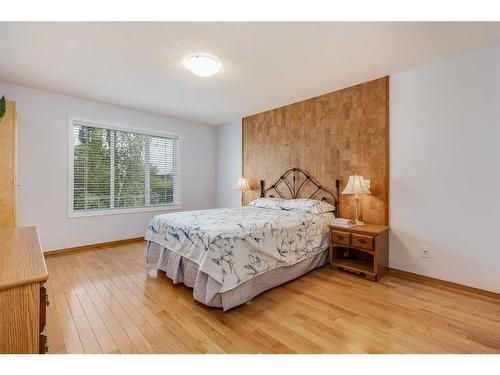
(426, 252)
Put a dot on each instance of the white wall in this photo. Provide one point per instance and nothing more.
(445, 169)
(42, 168)
(228, 163)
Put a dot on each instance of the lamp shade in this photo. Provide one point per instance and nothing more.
(356, 185)
(242, 184)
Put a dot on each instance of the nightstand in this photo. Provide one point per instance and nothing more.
(362, 250)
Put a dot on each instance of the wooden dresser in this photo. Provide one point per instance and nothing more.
(23, 298)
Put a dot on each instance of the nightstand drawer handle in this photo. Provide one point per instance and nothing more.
(340, 237)
(360, 240)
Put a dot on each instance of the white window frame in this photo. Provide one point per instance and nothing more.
(117, 211)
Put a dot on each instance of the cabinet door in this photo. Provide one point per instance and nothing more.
(8, 136)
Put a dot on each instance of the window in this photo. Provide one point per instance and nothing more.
(116, 170)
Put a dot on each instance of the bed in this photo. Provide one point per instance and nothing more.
(230, 255)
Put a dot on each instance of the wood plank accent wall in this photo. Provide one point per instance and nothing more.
(330, 136)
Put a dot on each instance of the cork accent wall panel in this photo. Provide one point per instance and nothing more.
(330, 137)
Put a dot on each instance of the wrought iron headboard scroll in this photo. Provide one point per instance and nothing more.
(294, 190)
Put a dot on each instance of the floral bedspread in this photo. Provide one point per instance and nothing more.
(233, 245)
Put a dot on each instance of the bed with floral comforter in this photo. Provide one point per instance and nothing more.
(235, 245)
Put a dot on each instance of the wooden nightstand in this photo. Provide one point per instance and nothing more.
(363, 250)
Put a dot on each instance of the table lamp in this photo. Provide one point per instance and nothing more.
(242, 185)
(356, 186)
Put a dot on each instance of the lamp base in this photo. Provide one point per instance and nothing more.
(359, 223)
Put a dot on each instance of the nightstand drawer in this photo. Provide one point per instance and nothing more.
(362, 241)
(342, 238)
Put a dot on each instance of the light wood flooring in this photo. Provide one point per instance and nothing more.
(104, 301)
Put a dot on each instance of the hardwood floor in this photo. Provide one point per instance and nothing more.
(104, 301)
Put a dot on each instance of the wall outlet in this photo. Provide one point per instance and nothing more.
(425, 252)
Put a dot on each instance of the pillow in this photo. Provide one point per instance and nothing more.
(273, 203)
(310, 205)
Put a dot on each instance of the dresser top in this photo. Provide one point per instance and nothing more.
(21, 258)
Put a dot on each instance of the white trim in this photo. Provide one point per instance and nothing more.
(116, 211)
(119, 211)
(17, 185)
(71, 162)
(178, 189)
(126, 128)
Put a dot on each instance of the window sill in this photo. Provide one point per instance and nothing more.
(121, 211)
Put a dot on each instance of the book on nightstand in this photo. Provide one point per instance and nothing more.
(346, 223)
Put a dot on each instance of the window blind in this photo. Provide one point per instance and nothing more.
(116, 169)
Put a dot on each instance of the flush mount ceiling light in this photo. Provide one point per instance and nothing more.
(202, 65)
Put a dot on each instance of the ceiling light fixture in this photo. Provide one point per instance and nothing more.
(202, 65)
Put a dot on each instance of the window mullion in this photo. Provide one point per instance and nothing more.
(174, 172)
(147, 170)
(112, 168)
(85, 163)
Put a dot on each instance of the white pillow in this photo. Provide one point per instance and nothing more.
(310, 205)
(273, 203)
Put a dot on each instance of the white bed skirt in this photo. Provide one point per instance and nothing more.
(206, 289)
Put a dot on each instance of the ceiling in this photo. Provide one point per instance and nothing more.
(265, 65)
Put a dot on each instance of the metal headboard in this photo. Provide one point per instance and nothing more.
(293, 188)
